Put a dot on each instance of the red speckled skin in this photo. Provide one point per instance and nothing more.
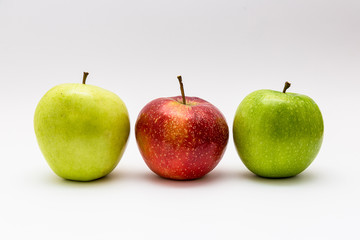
(180, 141)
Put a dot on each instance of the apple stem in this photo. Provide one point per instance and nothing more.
(182, 89)
(84, 77)
(287, 85)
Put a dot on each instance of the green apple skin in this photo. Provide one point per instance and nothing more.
(82, 130)
(277, 134)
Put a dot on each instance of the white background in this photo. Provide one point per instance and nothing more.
(224, 50)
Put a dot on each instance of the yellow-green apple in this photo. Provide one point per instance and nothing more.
(82, 130)
(181, 137)
(277, 134)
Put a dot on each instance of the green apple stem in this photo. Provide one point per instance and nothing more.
(287, 85)
(84, 77)
(182, 89)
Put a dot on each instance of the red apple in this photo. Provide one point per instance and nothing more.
(181, 137)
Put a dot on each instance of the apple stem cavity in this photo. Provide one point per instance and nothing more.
(182, 89)
(84, 77)
(287, 85)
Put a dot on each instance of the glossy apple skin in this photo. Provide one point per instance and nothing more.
(179, 141)
(82, 130)
(277, 134)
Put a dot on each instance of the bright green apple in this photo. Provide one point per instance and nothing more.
(82, 130)
(277, 134)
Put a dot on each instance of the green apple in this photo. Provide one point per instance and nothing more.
(82, 130)
(277, 134)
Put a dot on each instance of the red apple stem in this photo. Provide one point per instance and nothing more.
(182, 89)
(287, 85)
(84, 77)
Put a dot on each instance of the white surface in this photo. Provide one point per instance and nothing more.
(224, 50)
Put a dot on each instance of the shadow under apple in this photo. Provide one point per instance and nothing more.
(302, 178)
(115, 176)
(208, 179)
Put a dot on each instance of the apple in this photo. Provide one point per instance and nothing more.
(82, 130)
(181, 138)
(277, 134)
